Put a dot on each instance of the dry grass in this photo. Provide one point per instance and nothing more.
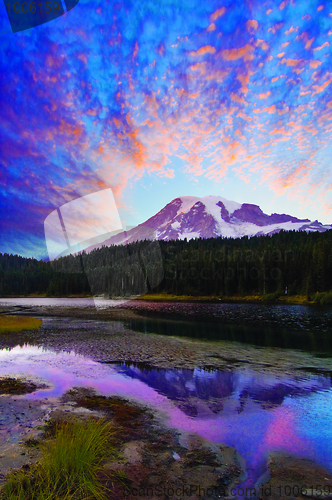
(16, 324)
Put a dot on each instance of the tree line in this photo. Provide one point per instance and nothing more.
(292, 262)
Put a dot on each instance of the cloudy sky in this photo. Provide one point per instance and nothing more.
(163, 98)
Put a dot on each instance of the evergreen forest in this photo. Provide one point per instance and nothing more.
(289, 262)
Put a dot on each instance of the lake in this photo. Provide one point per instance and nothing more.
(255, 377)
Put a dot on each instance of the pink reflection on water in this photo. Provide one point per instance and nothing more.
(248, 424)
(281, 433)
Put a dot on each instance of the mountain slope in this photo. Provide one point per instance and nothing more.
(192, 217)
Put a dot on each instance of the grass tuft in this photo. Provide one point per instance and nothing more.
(71, 464)
(16, 324)
(323, 297)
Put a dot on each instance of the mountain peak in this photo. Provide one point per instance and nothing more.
(209, 217)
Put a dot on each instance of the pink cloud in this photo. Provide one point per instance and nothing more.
(291, 62)
(211, 27)
(291, 30)
(218, 13)
(252, 25)
(276, 27)
(135, 51)
(315, 64)
(208, 49)
(234, 54)
(326, 44)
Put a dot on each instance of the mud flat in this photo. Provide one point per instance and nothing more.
(294, 477)
(154, 460)
(116, 342)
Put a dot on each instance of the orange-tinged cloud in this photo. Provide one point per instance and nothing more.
(244, 79)
(281, 131)
(201, 67)
(83, 58)
(238, 99)
(309, 42)
(262, 44)
(276, 27)
(208, 49)
(264, 96)
(292, 179)
(135, 52)
(281, 54)
(211, 27)
(161, 49)
(291, 62)
(291, 30)
(282, 5)
(304, 36)
(169, 173)
(321, 7)
(234, 54)
(270, 109)
(326, 44)
(315, 64)
(320, 88)
(218, 13)
(252, 25)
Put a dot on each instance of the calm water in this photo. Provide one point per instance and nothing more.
(65, 302)
(275, 325)
(255, 412)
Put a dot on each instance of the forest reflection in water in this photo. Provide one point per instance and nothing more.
(261, 336)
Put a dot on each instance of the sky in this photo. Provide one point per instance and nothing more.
(164, 98)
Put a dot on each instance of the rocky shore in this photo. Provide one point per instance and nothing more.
(156, 461)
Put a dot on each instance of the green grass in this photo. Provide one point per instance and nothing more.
(271, 297)
(71, 465)
(16, 324)
(323, 297)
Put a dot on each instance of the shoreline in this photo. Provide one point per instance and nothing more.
(149, 446)
(249, 299)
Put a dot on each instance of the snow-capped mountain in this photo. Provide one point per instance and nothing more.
(192, 217)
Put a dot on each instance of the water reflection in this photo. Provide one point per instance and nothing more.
(24, 303)
(262, 336)
(255, 412)
(202, 392)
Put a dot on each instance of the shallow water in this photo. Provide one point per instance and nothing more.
(255, 413)
(29, 302)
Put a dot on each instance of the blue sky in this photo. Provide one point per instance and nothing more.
(161, 99)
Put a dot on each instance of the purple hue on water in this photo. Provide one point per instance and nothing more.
(255, 412)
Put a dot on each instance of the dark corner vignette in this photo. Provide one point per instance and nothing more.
(26, 15)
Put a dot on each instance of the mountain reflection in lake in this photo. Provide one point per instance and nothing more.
(200, 392)
(255, 412)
